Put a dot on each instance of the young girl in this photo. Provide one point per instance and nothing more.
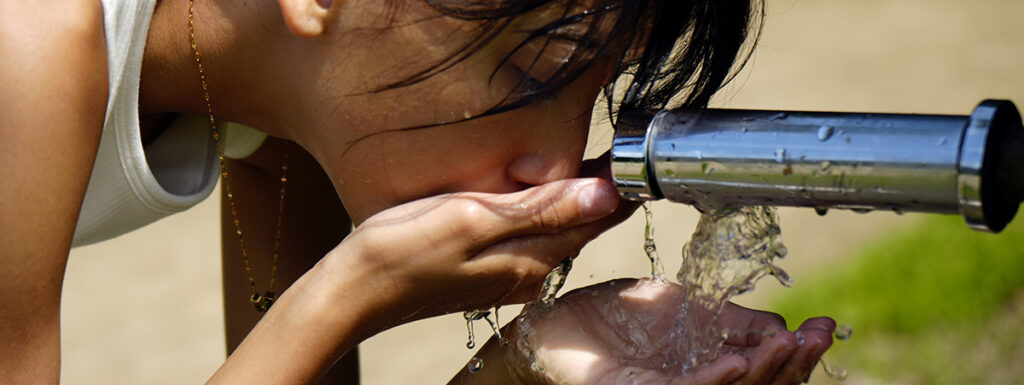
(450, 132)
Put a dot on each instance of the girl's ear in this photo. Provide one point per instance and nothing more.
(305, 18)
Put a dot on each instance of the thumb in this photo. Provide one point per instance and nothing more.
(555, 206)
(545, 209)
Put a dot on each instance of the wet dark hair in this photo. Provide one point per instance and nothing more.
(678, 52)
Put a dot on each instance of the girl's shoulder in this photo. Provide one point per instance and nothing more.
(32, 24)
(44, 44)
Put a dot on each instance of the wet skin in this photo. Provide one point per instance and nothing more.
(582, 340)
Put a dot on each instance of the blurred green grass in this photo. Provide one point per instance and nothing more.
(936, 303)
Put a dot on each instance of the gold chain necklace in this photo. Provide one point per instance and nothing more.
(260, 302)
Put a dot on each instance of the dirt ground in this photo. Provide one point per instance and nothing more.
(145, 308)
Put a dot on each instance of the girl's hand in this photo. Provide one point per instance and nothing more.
(466, 251)
(436, 255)
(618, 332)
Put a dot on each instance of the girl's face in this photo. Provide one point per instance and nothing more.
(361, 136)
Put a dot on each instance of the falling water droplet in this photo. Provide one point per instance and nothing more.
(843, 332)
(779, 116)
(699, 155)
(825, 132)
(495, 326)
(471, 340)
(836, 372)
(782, 276)
(474, 365)
(941, 142)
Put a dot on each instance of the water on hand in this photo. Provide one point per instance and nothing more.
(729, 251)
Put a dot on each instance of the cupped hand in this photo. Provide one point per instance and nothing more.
(625, 332)
(464, 251)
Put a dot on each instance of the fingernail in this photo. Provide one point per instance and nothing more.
(325, 4)
(597, 199)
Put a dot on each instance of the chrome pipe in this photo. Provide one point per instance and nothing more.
(718, 158)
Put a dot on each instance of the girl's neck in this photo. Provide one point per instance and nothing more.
(236, 58)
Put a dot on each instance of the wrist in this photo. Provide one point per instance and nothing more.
(333, 302)
(351, 285)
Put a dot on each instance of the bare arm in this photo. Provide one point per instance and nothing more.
(53, 80)
(432, 256)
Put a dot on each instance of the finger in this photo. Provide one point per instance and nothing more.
(542, 209)
(815, 337)
(724, 370)
(769, 357)
(756, 325)
(520, 294)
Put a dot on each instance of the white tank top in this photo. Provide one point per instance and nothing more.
(134, 185)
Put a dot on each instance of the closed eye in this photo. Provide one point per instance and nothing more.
(526, 84)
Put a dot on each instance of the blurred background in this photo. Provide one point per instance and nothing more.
(930, 301)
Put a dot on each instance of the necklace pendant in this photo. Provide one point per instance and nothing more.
(268, 300)
(263, 302)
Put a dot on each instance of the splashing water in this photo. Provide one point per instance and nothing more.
(842, 333)
(475, 315)
(553, 282)
(729, 251)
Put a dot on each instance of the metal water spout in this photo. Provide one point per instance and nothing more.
(716, 158)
